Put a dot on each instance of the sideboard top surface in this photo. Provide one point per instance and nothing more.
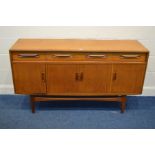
(78, 45)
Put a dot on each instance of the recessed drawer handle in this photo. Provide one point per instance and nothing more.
(28, 55)
(130, 56)
(62, 55)
(96, 56)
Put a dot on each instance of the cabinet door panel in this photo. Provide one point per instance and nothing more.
(61, 79)
(128, 78)
(29, 78)
(96, 78)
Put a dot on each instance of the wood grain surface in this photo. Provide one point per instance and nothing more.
(78, 45)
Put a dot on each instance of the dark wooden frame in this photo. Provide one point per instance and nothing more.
(121, 99)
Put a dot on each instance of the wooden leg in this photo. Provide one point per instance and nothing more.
(123, 103)
(32, 104)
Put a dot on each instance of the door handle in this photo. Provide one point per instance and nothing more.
(81, 76)
(43, 78)
(76, 76)
(114, 76)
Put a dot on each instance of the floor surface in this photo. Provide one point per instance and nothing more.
(15, 113)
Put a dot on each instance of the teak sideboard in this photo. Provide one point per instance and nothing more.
(72, 69)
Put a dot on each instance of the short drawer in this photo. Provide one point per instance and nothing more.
(21, 56)
(62, 57)
(96, 56)
(128, 57)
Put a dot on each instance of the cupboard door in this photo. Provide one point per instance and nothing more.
(61, 79)
(95, 79)
(29, 78)
(128, 78)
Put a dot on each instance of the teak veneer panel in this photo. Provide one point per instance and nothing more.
(61, 79)
(78, 45)
(129, 78)
(74, 79)
(29, 78)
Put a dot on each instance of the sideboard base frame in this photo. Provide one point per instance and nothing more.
(121, 99)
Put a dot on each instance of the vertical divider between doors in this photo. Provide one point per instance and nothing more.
(78, 66)
(46, 75)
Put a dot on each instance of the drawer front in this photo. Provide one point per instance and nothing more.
(117, 57)
(93, 56)
(105, 57)
(63, 57)
(21, 56)
(128, 57)
(77, 57)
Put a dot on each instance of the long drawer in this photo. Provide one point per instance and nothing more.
(105, 57)
(68, 56)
